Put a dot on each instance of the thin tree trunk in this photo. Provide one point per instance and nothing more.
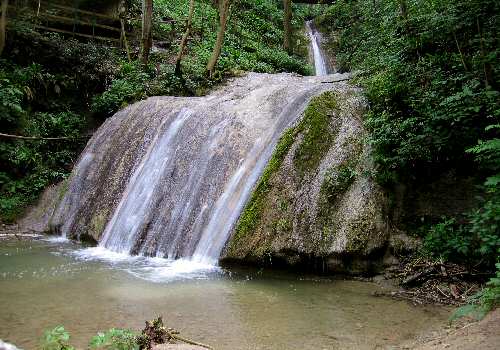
(486, 66)
(184, 38)
(403, 9)
(147, 24)
(3, 24)
(223, 14)
(124, 38)
(287, 25)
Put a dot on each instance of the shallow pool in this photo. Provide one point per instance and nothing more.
(47, 283)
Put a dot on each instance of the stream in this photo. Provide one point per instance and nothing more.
(196, 159)
(44, 283)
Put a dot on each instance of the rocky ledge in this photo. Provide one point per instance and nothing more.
(317, 205)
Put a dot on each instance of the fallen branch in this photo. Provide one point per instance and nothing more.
(417, 276)
(335, 81)
(155, 333)
(176, 336)
(42, 138)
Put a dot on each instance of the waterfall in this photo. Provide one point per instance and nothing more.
(132, 211)
(169, 176)
(319, 60)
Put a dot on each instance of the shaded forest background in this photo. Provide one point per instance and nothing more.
(56, 86)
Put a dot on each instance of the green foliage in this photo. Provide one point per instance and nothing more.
(56, 339)
(484, 301)
(28, 166)
(476, 241)
(115, 339)
(430, 73)
(127, 87)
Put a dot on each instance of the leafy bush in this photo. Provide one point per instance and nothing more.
(115, 339)
(484, 301)
(429, 69)
(56, 339)
(28, 166)
(128, 87)
(477, 241)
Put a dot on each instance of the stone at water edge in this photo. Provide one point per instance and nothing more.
(7, 346)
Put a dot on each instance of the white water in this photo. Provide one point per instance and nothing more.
(319, 61)
(7, 346)
(131, 214)
(158, 270)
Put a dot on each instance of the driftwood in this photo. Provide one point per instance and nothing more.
(156, 333)
(415, 277)
(430, 282)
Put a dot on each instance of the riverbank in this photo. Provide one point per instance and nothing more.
(466, 334)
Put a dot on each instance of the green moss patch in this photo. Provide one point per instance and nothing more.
(317, 130)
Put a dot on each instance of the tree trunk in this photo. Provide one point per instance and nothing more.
(3, 24)
(223, 14)
(147, 24)
(403, 9)
(287, 25)
(184, 38)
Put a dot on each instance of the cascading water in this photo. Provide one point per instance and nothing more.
(169, 176)
(319, 60)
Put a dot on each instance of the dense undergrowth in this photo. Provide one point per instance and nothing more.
(45, 90)
(430, 71)
(52, 86)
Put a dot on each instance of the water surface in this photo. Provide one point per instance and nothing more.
(43, 284)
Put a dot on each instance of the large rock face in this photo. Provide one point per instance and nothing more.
(169, 176)
(316, 203)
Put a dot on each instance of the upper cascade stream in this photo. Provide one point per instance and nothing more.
(169, 176)
(320, 65)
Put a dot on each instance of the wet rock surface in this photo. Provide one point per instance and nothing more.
(168, 176)
(329, 215)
